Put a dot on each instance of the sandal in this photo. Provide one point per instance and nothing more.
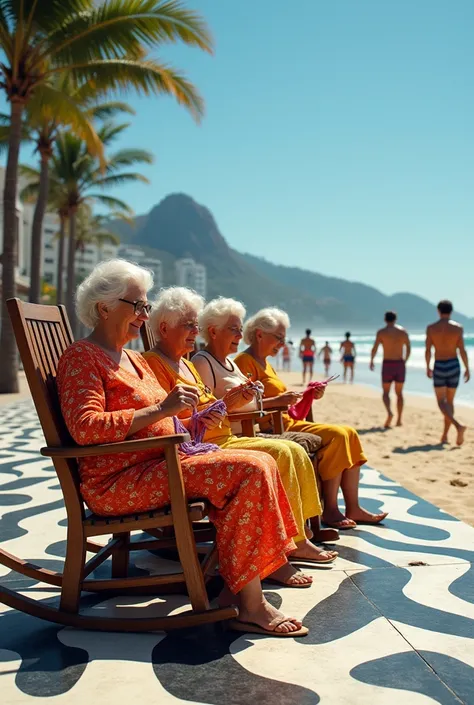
(251, 628)
(315, 561)
(282, 583)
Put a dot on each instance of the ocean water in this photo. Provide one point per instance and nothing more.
(416, 381)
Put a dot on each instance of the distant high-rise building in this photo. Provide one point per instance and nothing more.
(135, 254)
(191, 274)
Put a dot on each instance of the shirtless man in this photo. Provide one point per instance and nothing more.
(446, 337)
(307, 353)
(396, 351)
(326, 353)
(348, 356)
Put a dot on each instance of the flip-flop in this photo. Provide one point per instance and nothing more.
(343, 525)
(373, 523)
(251, 628)
(282, 583)
(314, 561)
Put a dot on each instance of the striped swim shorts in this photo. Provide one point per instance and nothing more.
(446, 373)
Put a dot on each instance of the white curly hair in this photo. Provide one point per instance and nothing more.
(217, 312)
(267, 319)
(172, 304)
(107, 283)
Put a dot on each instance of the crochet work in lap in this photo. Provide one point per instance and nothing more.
(198, 429)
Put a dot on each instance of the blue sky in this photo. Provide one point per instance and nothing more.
(338, 137)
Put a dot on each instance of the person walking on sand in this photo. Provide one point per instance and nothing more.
(326, 353)
(307, 353)
(286, 356)
(348, 356)
(396, 351)
(447, 338)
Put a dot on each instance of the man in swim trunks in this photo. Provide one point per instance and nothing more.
(447, 338)
(396, 351)
(307, 353)
(348, 356)
(326, 353)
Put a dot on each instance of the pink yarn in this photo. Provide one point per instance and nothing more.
(300, 410)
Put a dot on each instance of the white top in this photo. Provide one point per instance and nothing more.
(221, 378)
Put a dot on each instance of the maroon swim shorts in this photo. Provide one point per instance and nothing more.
(393, 371)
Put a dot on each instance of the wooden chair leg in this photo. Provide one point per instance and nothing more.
(73, 570)
(185, 542)
(120, 557)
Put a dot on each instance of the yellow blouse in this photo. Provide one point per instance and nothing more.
(266, 375)
(273, 385)
(169, 378)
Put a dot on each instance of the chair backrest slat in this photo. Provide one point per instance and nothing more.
(42, 334)
(148, 336)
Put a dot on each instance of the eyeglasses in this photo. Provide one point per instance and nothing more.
(190, 325)
(235, 330)
(281, 339)
(138, 306)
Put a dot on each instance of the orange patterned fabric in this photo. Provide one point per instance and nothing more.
(250, 510)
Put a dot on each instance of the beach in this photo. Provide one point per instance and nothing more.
(412, 455)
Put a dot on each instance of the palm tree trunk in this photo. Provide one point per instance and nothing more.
(60, 273)
(9, 366)
(71, 269)
(37, 230)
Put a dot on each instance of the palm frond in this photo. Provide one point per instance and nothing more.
(124, 26)
(107, 110)
(145, 77)
(127, 157)
(51, 106)
(120, 180)
(110, 202)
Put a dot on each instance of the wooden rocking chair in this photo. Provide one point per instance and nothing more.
(42, 334)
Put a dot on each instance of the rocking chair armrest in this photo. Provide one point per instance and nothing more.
(131, 446)
(245, 416)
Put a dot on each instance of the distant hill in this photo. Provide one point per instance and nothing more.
(180, 227)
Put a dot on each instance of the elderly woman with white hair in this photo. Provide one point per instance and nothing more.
(174, 320)
(341, 455)
(108, 394)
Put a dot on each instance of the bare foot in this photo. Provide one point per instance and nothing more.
(290, 576)
(389, 420)
(305, 549)
(460, 436)
(361, 516)
(399, 422)
(268, 617)
(444, 439)
(326, 535)
(337, 520)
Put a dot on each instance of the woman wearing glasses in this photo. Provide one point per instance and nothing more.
(109, 394)
(341, 455)
(174, 320)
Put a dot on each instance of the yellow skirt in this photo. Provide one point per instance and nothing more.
(341, 448)
(296, 470)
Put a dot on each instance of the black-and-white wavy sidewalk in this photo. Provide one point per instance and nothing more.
(392, 619)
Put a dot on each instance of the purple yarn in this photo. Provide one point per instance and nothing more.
(198, 429)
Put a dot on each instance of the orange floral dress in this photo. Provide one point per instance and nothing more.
(250, 510)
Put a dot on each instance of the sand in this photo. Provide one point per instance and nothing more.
(412, 455)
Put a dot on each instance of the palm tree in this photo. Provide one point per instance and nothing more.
(77, 178)
(92, 41)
